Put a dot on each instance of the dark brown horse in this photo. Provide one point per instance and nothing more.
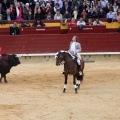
(70, 67)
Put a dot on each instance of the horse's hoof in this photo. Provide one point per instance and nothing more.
(76, 90)
(64, 90)
(6, 81)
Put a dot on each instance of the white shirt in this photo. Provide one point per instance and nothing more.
(73, 47)
(80, 23)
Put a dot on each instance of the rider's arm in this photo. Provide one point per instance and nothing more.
(78, 50)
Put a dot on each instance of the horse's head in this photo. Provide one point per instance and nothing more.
(59, 58)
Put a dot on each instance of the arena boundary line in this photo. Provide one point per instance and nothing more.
(82, 53)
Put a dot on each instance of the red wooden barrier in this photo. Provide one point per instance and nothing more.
(88, 29)
(26, 44)
(40, 30)
(4, 31)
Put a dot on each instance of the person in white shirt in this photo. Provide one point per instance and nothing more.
(81, 23)
(111, 16)
(98, 22)
(75, 49)
(58, 15)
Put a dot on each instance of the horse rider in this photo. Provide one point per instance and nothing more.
(75, 49)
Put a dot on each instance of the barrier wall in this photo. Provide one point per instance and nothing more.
(52, 43)
(110, 27)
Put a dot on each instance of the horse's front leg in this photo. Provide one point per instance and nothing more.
(1, 78)
(65, 83)
(74, 82)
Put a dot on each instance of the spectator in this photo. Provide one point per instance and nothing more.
(101, 14)
(72, 22)
(67, 15)
(108, 6)
(31, 5)
(84, 14)
(81, 23)
(19, 11)
(12, 9)
(111, 16)
(42, 3)
(89, 22)
(9, 15)
(115, 7)
(95, 2)
(97, 8)
(75, 12)
(2, 10)
(92, 6)
(91, 14)
(48, 8)
(37, 6)
(14, 30)
(75, 3)
(49, 16)
(56, 7)
(38, 23)
(88, 5)
(66, 7)
(118, 3)
(98, 22)
(39, 14)
(5, 4)
(84, 6)
(103, 4)
(15, 3)
(25, 24)
(60, 3)
(51, 3)
(27, 13)
(58, 15)
(118, 15)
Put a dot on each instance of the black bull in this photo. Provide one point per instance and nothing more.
(6, 63)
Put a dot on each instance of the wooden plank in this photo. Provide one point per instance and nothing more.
(40, 30)
(87, 29)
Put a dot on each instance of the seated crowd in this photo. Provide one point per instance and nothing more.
(74, 12)
(59, 9)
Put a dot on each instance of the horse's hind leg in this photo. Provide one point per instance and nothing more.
(78, 80)
(78, 83)
(65, 83)
(75, 86)
(1, 78)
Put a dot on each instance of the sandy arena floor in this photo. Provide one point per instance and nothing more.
(34, 92)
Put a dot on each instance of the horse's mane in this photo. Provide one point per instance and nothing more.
(69, 54)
